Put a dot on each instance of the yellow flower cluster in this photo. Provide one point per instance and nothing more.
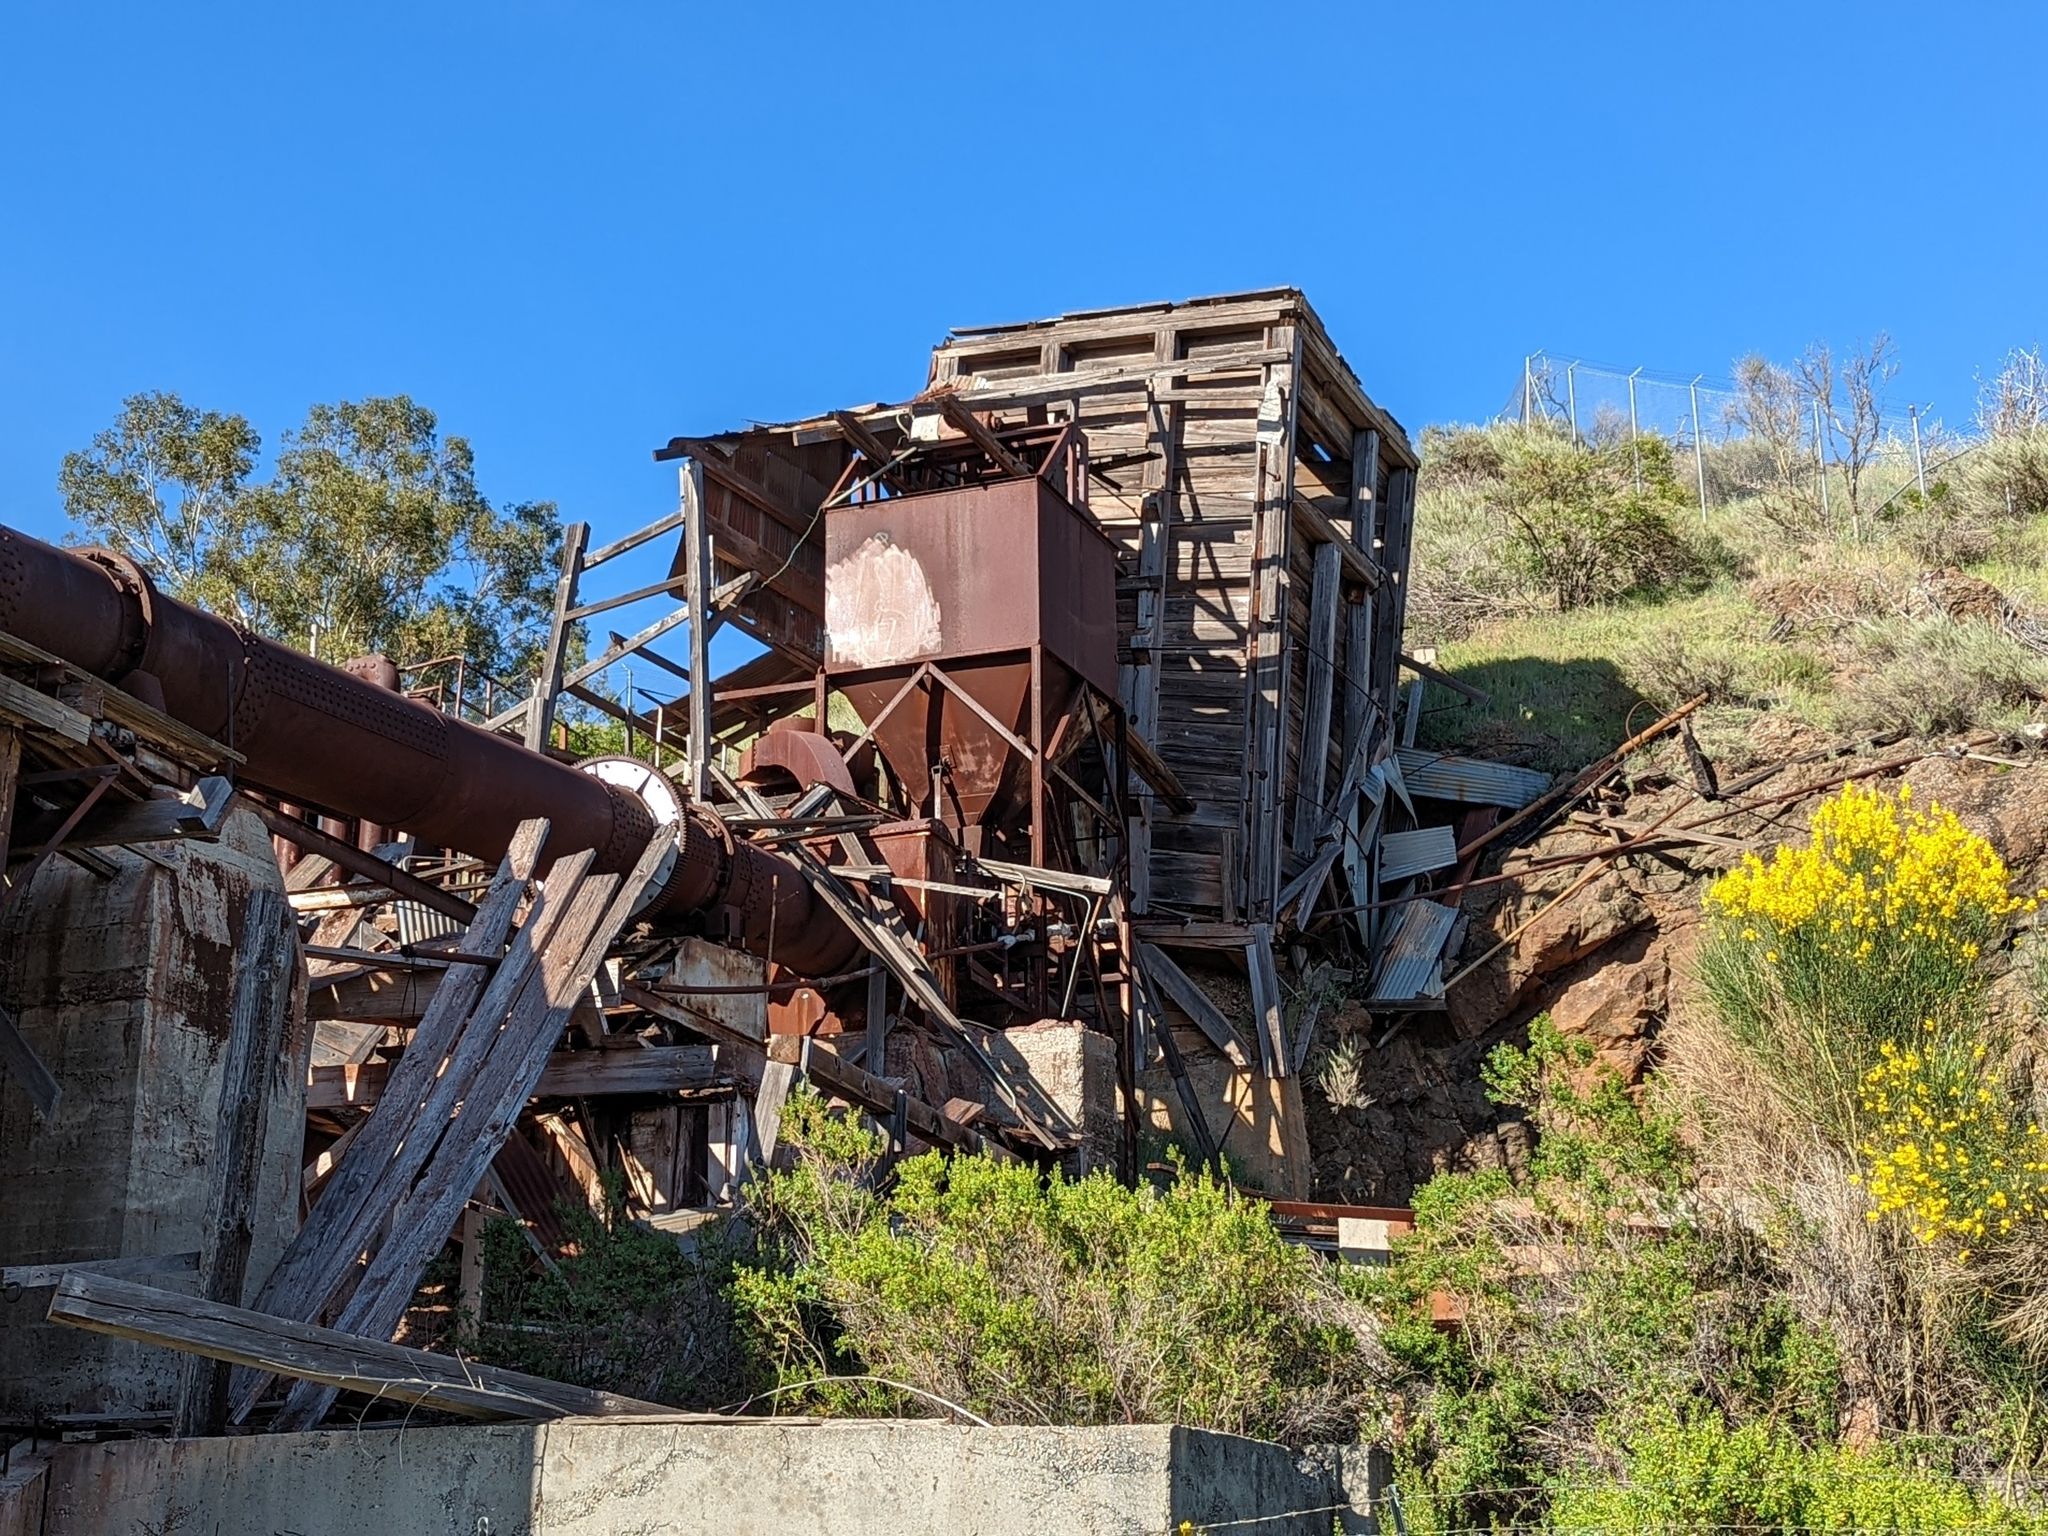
(1876, 872)
(1946, 1150)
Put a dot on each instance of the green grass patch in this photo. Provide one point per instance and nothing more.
(1566, 688)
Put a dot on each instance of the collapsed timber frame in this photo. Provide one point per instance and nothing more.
(1073, 771)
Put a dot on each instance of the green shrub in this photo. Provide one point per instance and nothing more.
(1731, 657)
(1579, 527)
(1025, 1298)
(1507, 515)
(2006, 477)
(627, 1311)
(1582, 1289)
(1699, 1475)
(1935, 676)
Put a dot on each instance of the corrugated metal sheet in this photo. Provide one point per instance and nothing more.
(1416, 853)
(1390, 769)
(1411, 969)
(1469, 781)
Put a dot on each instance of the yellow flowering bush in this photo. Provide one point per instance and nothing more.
(1946, 1149)
(1880, 920)
(1879, 884)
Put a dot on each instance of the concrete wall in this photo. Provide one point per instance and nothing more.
(1258, 1119)
(123, 986)
(614, 1477)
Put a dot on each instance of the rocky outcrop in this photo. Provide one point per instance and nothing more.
(1605, 957)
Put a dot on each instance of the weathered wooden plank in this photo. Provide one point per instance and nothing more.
(25, 706)
(1392, 609)
(1181, 990)
(336, 1359)
(568, 1075)
(1323, 532)
(962, 419)
(253, 1069)
(151, 1266)
(196, 815)
(777, 1078)
(320, 1255)
(1267, 747)
(1266, 1005)
(508, 1066)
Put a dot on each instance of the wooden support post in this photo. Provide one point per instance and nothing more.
(1313, 771)
(1358, 637)
(541, 714)
(777, 1079)
(1398, 525)
(697, 603)
(1272, 594)
(1140, 684)
(254, 1067)
(469, 1237)
(10, 781)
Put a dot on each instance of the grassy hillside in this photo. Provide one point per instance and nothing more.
(1923, 617)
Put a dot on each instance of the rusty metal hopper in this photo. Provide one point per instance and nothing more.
(985, 583)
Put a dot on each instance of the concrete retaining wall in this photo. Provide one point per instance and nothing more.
(593, 1477)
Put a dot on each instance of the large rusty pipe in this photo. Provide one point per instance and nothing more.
(315, 734)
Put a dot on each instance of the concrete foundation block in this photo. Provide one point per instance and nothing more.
(124, 987)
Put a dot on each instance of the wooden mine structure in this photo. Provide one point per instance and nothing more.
(1073, 768)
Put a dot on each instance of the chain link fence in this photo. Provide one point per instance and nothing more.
(1821, 441)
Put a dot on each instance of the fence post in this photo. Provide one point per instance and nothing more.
(1699, 458)
(1528, 386)
(1820, 464)
(1919, 464)
(1571, 399)
(1634, 452)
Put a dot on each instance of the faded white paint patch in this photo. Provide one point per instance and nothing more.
(879, 608)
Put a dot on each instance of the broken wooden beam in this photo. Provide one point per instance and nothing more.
(351, 858)
(151, 1266)
(1181, 990)
(195, 815)
(568, 1075)
(963, 420)
(1444, 679)
(342, 1361)
(495, 1068)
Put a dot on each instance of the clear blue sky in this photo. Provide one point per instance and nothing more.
(576, 229)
